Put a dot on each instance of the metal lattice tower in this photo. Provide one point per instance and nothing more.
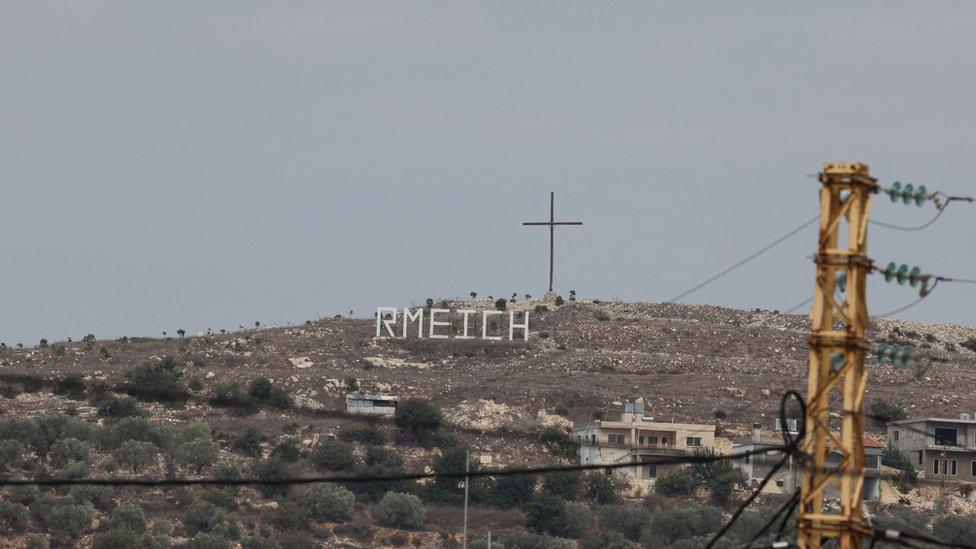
(837, 346)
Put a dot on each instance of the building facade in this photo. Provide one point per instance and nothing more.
(635, 438)
(942, 449)
(371, 405)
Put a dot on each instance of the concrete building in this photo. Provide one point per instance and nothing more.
(942, 449)
(635, 438)
(371, 405)
(788, 478)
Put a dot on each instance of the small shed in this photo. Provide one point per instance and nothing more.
(371, 405)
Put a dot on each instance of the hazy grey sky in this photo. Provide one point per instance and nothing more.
(189, 165)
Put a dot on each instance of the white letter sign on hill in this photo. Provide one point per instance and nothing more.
(443, 324)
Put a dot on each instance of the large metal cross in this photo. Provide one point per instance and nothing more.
(552, 231)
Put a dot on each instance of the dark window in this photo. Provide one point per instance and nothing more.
(640, 440)
(952, 468)
(935, 467)
(653, 441)
(945, 436)
(871, 461)
(972, 466)
(921, 457)
(945, 467)
(896, 435)
(693, 441)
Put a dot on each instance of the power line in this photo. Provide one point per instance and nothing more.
(742, 262)
(359, 479)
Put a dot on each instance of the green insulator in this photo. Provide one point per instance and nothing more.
(895, 191)
(913, 276)
(908, 194)
(902, 274)
(836, 361)
(882, 351)
(921, 195)
(889, 272)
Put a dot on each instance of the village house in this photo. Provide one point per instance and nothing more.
(942, 449)
(787, 479)
(635, 438)
(371, 405)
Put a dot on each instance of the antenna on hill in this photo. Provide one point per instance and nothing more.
(552, 223)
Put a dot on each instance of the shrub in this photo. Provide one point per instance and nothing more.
(332, 455)
(539, 309)
(575, 520)
(98, 496)
(956, 529)
(970, 344)
(232, 395)
(907, 478)
(558, 442)
(155, 381)
(207, 518)
(296, 540)
(207, 541)
(135, 454)
(291, 516)
(366, 434)
(67, 521)
(22, 430)
(544, 513)
(514, 490)
(680, 483)
(71, 386)
(399, 510)
(35, 541)
(117, 538)
(625, 519)
(670, 525)
(560, 301)
(565, 484)
(447, 490)
(287, 450)
(601, 488)
(13, 517)
(52, 427)
(140, 429)
(114, 407)
(225, 470)
(262, 390)
(607, 540)
(258, 542)
(199, 454)
(129, 517)
(70, 450)
(25, 493)
(248, 443)
(330, 502)
(500, 303)
(720, 477)
(380, 462)
(884, 412)
(271, 469)
(418, 416)
(528, 540)
(11, 454)
(195, 385)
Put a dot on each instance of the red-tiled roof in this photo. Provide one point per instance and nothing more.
(869, 442)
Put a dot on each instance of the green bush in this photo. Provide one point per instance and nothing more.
(332, 455)
(135, 454)
(155, 381)
(225, 470)
(129, 517)
(67, 521)
(907, 478)
(560, 301)
(25, 493)
(720, 477)
(198, 454)
(115, 407)
(575, 520)
(528, 540)
(885, 412)
(418, 416)
(398, 510)
(330, 503)
(956, 529)
(117, 538)
(232, 395)
(380, 462)
(670, 525)
(626, 519)
(607, 540)
(514, 490)
(291, 516)
(137, 428)
(71, 386)
(249, 443)
(13, 517)
(207, 518)
(98, 496)
(70, 450)
(679, 483)
(565, 484)
(272, 469)
(544, 513)
(449, 490)
(207, 541)
(262, 390)
(601, 488)
(500, 303)
(287, 450)
(366, 433)
(258, 542)
(11, 454)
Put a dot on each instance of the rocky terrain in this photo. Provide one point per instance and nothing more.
(690, 363)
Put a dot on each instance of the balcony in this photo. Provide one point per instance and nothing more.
(651, 449)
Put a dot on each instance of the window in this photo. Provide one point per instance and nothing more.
(896, 435)
(972, 468)
(945, 467)
(935, 467)
(921, 457)
(640, 440)
(945, 436)
(693, 441)
(652, 440)
(952, 467)
(615, 439)
(650, 471)
(871, 461)
(664, 441)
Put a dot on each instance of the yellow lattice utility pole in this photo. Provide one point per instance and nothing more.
(837, 346)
